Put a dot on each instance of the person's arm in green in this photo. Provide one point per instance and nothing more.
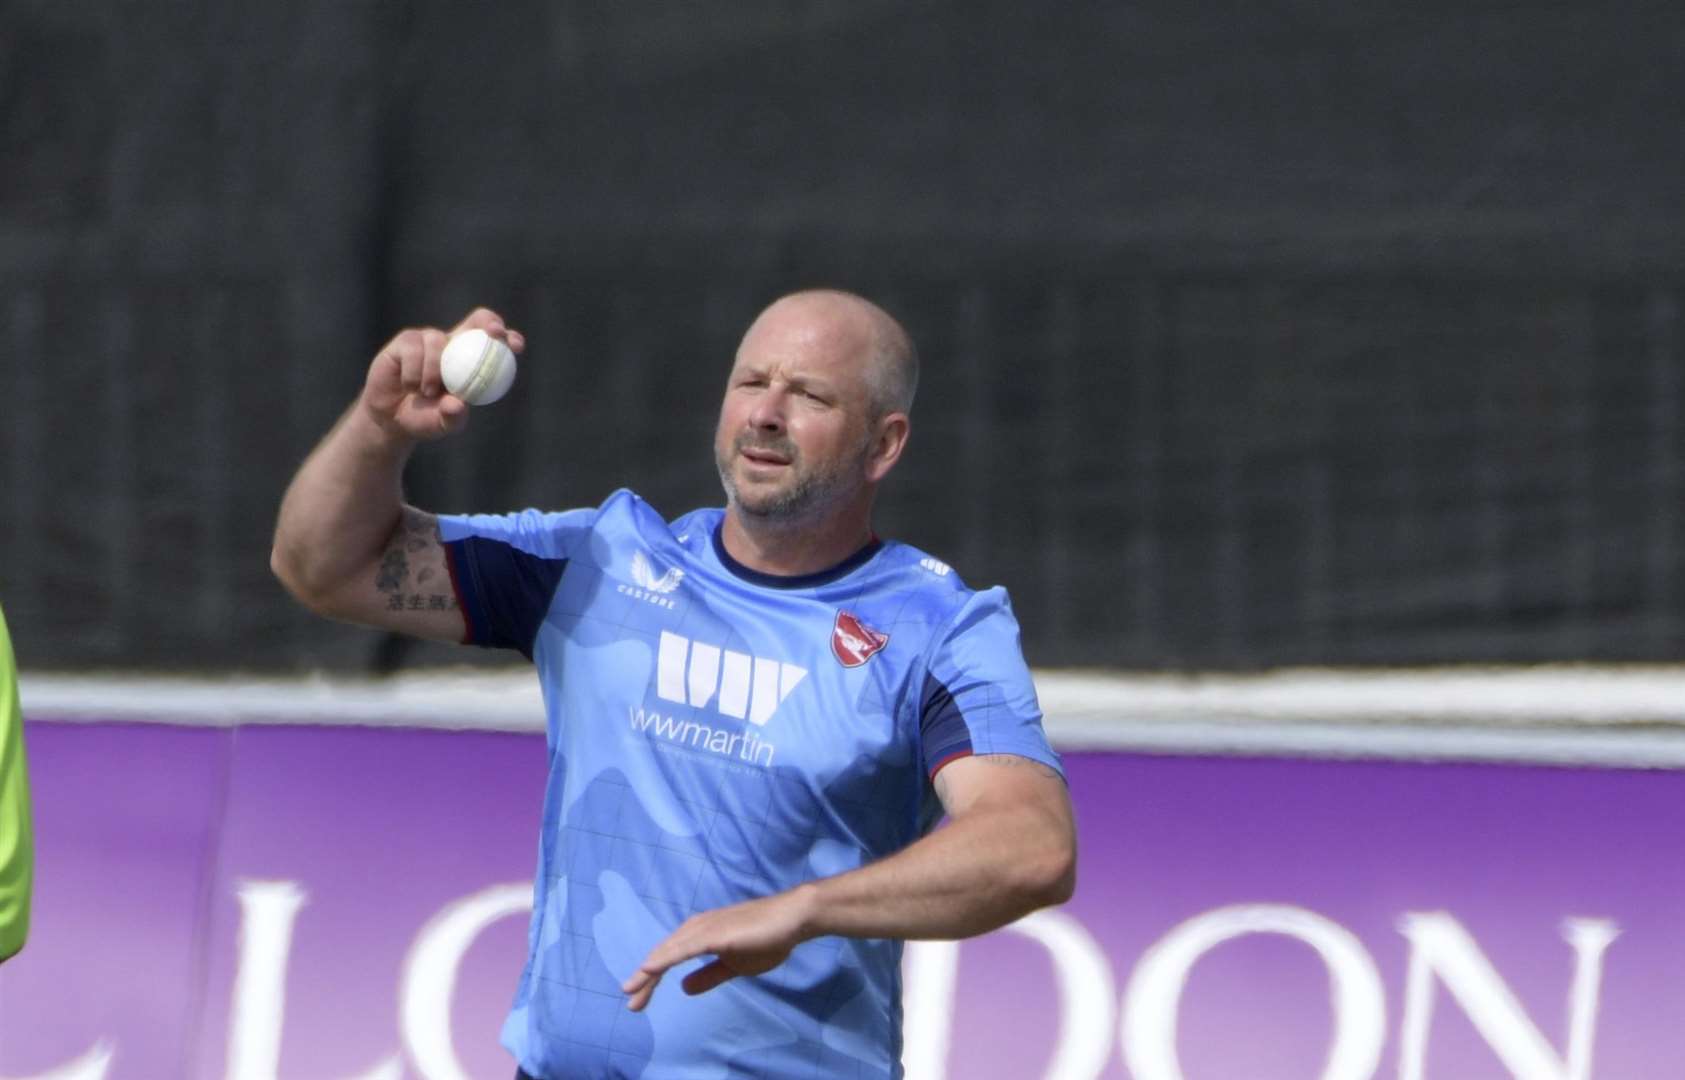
(17, 845)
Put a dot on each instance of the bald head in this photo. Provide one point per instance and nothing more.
(815, 411)
(854, 326)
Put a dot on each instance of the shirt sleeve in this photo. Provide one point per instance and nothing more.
(506, 569)
(978, 695)
(17, 844)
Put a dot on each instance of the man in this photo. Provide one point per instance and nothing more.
(17, 849)
(754, 714)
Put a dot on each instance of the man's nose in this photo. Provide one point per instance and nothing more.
(768, 413)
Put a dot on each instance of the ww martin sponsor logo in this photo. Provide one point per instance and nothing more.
(712, 680)
(736, 684)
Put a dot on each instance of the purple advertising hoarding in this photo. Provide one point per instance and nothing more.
(322, 903)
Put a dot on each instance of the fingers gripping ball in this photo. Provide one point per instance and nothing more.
(477, 367)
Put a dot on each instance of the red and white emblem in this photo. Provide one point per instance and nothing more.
(853, 641)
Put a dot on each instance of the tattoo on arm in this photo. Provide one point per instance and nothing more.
(944, 788)
(417, 534)
(1014, 761)
(394, 571)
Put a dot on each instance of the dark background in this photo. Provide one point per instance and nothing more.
(1273, 333)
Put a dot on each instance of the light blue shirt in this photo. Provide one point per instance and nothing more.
(717, 735)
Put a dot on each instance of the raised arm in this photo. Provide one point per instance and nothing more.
(1008, 849)
(346, 545)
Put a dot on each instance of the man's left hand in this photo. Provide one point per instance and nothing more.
(750, 938)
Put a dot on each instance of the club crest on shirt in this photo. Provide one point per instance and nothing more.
(853, 642)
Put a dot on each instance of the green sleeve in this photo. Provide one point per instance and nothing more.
(17, 845)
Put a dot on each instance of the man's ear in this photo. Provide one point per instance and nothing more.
(891, 439)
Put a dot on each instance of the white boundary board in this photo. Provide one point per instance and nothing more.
(1626, 716)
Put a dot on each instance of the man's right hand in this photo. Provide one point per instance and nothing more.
(404, 393)
(345, 544)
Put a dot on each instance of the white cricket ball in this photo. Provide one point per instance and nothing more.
(477, 367)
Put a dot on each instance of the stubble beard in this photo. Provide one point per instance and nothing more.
(806, 498)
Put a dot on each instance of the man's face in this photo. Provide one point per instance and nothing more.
(795, 432)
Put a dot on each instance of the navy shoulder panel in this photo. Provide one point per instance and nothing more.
(504, 591)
